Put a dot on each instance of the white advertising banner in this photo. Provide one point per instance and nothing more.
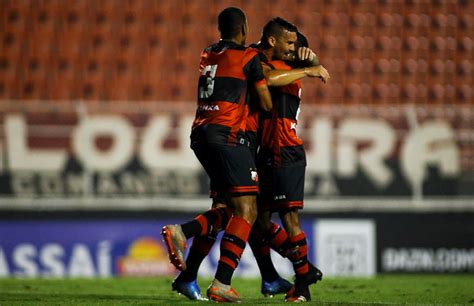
(345, 247)
(145, 152)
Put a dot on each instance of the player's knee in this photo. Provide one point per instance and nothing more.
(246, 212)
(249, 214)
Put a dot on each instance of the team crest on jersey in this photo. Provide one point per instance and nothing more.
(254, 175)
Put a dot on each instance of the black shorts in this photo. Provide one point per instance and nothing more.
(281, 188)
(253, 142)
(231, 169)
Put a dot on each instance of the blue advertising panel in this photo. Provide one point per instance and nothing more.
(82, 248)
(103, 248)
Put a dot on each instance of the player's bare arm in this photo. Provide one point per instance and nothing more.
(264, 97)
(285, 77)
(317, 72)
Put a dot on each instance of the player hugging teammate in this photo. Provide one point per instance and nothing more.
(239, 117)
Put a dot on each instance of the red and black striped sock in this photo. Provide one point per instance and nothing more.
(298, 254)
(261, 252)
(198, 251)
(232, 246)
(212, 220)
(278, 239)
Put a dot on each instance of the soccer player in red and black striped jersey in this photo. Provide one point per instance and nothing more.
(218, 139)
(281, 159)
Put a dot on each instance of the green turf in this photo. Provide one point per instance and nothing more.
(393, 289)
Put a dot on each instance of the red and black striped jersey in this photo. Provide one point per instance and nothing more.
(252, 121)
(226, 71)
(278, 127)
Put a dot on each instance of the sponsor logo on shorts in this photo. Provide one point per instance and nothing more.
(280, 197)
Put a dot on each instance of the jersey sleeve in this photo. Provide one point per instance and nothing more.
(203, 59)
(280, 65)
(253, 68)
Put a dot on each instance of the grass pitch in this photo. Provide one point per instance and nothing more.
(389, 289)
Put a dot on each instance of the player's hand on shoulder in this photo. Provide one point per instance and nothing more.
(306, 54)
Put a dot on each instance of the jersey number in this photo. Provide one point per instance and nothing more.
(206, 90)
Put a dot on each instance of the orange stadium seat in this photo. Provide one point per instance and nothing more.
(60, 88)
(409, 69)
(9, 88)
(42, 22)
(70, 47)
(465, 93)
(33, 88)
(465, 69)
(361, 23)
(450, 94)
(437, 93)
(41, 46)
(72, 21)
(384, 23)
(466, 46)
(353, 92)
(465, 24)
(151, 65)
(422, 93)
(12, 44)
(121, 89)
(408, 92)
(13, 20)
(331, 23)
(92, 89)
(121, 80)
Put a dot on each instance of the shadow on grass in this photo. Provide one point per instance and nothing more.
(128, 299)
(7, 298)
(87, 298)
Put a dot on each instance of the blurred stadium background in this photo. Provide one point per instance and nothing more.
(96, 101)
